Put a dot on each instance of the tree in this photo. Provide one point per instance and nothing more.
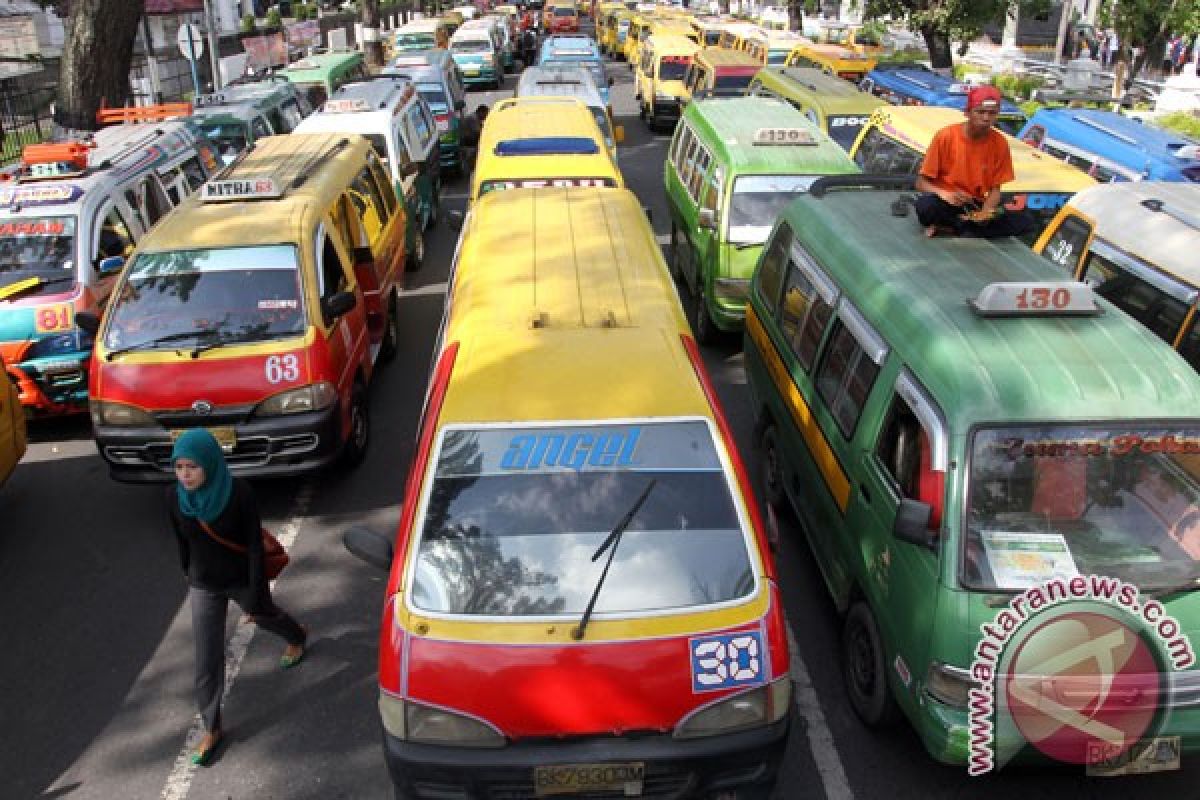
(942, 21)
(1146, 25)
(372, 46)
(97, 55)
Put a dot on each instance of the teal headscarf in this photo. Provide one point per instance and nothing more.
(207, 502)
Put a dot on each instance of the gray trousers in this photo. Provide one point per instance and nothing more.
(208, 632)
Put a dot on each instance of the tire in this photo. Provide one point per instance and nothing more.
(864, 669)
(703, 327)
(391, 334)
(773, 479)
(355, 449)
(434, 209)
(416, 256)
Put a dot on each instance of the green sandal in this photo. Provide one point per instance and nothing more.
(286, 661)
(203, 756)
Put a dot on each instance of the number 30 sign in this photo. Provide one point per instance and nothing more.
(723, 662)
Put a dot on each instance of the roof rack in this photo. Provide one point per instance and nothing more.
(1158, 206)
(155, 113)
(821, 186)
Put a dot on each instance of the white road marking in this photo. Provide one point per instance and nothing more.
(179, 782)
(54, 451)
(820, 738)
(430, 288)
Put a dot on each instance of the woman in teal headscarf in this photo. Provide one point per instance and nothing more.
(218, 528)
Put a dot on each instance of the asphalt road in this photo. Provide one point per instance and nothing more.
(95, 665)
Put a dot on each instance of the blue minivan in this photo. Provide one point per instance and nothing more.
(1112, 147)
(906, 84)
(577, 52)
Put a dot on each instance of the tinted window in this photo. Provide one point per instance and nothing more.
(1148, 304)
(882, 154)
(771, 266)
(1067, 244)
(845, 377)
(515, 515)
(803, 316)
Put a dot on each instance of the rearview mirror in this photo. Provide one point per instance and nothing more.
(88, 321)
(337, 305)
(371, 547)
(110, 265)
(619, 134)
(912, 522)
(707, 219)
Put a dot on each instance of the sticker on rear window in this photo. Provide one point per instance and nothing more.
(727, 661)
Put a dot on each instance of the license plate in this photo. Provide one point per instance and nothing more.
(1160, 754)
(579, 778)
(470, 70)
(226, 437)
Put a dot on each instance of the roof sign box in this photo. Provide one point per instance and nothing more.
(227, 190)
(548, 146)
(209, 100)
(783, 136)
(1035, 299)
(346, 105)
(410, 61)
(54, 194)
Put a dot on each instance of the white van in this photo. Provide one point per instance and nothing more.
(392, 115)
(572, 82)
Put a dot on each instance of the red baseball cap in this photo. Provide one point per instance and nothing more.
(983, 94)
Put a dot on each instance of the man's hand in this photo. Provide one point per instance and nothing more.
(955, 197)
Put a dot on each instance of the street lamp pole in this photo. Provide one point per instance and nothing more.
(214, 55)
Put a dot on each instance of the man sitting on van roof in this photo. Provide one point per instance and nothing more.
(962, 173)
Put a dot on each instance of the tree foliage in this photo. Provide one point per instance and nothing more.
(943, 21)
(1147, 24)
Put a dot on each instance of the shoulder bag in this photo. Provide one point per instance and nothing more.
(275, 558)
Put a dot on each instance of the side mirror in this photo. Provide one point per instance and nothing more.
(371, 547)
(110, 265)
(707, 219)
(459, 105)
(337, 305)
(619, 134)
(410, 169)
(457, 219)
(912, 522)
(88, 321)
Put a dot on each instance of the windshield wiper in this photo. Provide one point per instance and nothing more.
(150, 343)
(7, 294)
(234, 339)
(610, 544)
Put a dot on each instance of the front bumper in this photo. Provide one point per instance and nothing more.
(270, 446)
(54, 385)
(728, 302)
(737, 765)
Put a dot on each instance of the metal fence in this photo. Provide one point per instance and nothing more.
(26, 117)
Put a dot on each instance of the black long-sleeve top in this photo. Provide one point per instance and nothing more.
(209, 564)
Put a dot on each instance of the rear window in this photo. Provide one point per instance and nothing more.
(471, 46)
(732, 85)
(564, 11)
(515, 515)
(673, 68)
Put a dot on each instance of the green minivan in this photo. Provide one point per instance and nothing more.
(837, 106)
(955, 425)
(733, 165)
(320, 75)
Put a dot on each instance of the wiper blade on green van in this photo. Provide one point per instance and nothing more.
(610, 544)
(152, 343)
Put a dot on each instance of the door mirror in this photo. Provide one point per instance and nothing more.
(373, 548)
(88, 322)
(110, 265)
(912, 522)
(707, 219)
(337, 305)
(619, 134)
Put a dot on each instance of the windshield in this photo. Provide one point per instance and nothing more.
(757, 200)
(673, 68)
(731, 85)
(515, 515)
(233, 294)
(564, 11)
(415, 41)
(434, 95)
(471, 46)
(229, 138)
(845, 129)
(36, 246)
(1049, 502)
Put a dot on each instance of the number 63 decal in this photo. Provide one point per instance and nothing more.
(281, 369)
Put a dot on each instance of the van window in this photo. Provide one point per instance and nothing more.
(369, 203)
(713, 188)
(689, 163)
(771, 267)
(193, 173)
(1146, 303)
(696, 180)
(259, 128)
(401, 145)
(333, 270)
(673, 68)
(881, 154)
(681, 143)
(1035, 135)
(845, 377)
(113, 238)
(386, 192)
(1189, 348)
(804, 312)
(378, 144)
(904, 450)
(290, 114)
(1068, 243)
(422, 127)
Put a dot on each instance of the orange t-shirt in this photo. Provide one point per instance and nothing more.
(975, 166)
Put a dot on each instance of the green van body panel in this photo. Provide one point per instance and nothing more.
(975, 372)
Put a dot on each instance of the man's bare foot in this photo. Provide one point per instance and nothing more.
(931, 231)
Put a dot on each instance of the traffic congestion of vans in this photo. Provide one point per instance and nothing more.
(944, 421)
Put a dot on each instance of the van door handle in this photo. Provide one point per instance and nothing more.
(866, 496)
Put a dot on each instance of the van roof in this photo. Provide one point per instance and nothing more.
(309, 169)
(583, 274)
(674, 42)
(914, 292)
(1128, 216)
(723, 58)
(1141, 144)
(243, 97)
(314, 67)
(378, 94)
(1033, 170)
(733, 122)
(560, 81)
(835, 94)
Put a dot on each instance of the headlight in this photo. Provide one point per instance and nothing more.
(119, 415)
(751, 709)
(414, 722)
(297, 401)
(948, 685)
